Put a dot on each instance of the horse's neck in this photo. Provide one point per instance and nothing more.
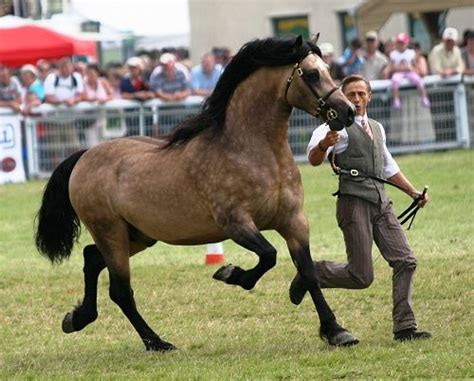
(257, 109)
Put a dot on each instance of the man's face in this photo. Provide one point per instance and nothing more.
(27, 78)
(449, 44)
(358, 93)
(169, 69)
(65, 69)
(208, 63)
(371, 44)
(4, 75)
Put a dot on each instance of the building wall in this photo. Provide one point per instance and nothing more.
(231, 23)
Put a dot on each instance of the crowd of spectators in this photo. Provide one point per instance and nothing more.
(401, 58)
(167, 75)
(170, 76)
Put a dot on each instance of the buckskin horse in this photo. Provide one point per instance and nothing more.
(226, 173)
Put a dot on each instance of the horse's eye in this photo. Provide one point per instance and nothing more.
(312, 76)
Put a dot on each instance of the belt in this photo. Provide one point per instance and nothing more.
(408, 214)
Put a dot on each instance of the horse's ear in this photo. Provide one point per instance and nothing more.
(299, 41)
(315, 39)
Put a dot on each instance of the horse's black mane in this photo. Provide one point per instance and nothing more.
(251, 56)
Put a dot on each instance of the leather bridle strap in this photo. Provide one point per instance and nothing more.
(323, 107)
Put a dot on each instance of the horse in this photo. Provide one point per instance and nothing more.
(226, 173)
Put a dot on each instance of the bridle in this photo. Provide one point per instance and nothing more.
(326, 111)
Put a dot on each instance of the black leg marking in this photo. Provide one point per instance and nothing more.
(122, 294)
(86, 312)
(330, 330)
(247, 279)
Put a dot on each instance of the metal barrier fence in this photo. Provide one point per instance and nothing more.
(53, 133)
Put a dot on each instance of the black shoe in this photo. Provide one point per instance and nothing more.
(411, 334)
(297, 290)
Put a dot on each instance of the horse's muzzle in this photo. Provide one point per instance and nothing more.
(344, 120)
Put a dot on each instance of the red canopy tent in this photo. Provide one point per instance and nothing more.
(29, 43)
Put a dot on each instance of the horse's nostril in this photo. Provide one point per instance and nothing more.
(351, 114)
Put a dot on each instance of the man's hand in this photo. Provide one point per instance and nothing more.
(331, 138)
(424, 197)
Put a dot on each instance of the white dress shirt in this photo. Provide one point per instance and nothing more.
(390, 166)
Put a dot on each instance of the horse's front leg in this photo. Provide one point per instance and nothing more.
(296, 235)
(248, 236)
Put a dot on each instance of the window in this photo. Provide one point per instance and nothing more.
(347, 26)
(291, 26)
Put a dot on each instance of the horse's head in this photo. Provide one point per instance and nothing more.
(311, 88)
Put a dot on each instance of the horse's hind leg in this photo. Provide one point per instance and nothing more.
(249, 237)
(86, 312)
(116, 251)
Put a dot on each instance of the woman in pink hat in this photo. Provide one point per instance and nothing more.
(402, 66)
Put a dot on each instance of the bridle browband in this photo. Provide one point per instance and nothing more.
(327, 112)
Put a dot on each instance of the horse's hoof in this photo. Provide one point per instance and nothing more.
(341, 339)
(224, 273)
(159, 346)
(67, 325)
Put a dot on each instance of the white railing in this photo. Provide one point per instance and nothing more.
(52, 133)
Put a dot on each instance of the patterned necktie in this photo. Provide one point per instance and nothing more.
(365, 126)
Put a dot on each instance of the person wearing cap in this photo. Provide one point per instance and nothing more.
(375, 61)
(29, 77)
(401, 67)
(327, 53)
(445, 59)
(170, 84)
(133, 86)
(364, 212)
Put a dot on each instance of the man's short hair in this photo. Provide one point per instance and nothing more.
(355, 78)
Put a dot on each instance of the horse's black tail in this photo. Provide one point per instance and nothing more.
(58, 225)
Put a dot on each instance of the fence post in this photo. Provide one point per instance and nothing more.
(142, 120)
(31, 147)
(460, 105)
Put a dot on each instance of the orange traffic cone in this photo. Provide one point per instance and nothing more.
(214, 254)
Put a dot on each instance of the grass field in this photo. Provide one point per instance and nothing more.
(224, 332)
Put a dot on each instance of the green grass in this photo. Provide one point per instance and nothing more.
(224, 332)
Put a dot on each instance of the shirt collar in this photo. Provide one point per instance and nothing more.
(358, 119)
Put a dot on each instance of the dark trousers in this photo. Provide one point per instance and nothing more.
(363, 223)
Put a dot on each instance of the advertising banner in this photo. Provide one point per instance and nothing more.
(11, 159)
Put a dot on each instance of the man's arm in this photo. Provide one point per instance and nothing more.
(13, 104)
(317, 154)
(400, 180)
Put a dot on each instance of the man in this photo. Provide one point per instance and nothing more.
(364, 213)
(374, 60)
(352, 59)
(445, 58)
(30, 80)
(204, 77)
(10, 90)
(134, 87)
(64, 132)
(64, 87)
(169, 84)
